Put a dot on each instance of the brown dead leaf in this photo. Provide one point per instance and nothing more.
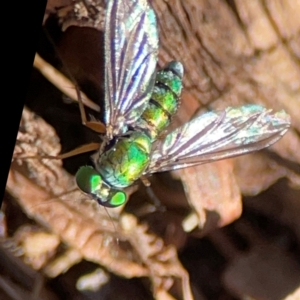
(213, 193)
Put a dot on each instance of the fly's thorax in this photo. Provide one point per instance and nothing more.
(126, 160)
(91, 183)
(164, 100)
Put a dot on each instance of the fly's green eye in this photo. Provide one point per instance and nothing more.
(90, 182)
(116, 198)
(88, 179)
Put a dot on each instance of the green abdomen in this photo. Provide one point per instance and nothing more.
(126, 161)
(164, 100)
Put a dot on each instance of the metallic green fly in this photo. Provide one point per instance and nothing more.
(139, 104)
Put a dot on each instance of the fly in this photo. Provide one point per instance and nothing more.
(139, 104)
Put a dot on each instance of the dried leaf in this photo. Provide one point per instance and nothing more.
(213, 193)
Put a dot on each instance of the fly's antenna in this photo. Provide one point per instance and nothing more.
(113, 223)
(56, 197)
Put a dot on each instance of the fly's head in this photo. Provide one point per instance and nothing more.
(90, 182)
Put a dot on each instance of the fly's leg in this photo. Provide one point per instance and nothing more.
(80, 150)
(157, 203)
(145, 181)
(96, 126)
(60, 81)
(155, 200)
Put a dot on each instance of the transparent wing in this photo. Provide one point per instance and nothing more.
(218, 135)
(131, 47)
